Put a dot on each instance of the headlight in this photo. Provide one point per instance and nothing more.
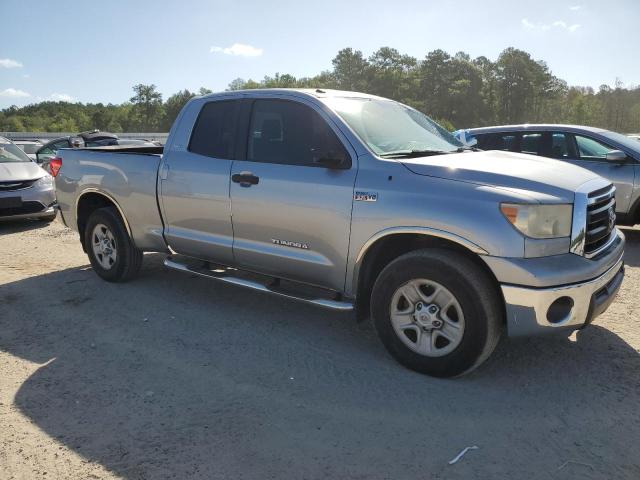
(539, 221)
(46, 181)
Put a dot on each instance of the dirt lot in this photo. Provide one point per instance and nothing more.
(177, 377)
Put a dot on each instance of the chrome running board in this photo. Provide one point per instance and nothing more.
(224, 274)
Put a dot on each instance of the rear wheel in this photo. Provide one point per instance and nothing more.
(111, 251)
(437, 312)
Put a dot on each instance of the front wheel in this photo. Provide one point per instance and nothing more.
(437, 312)
(111, 251)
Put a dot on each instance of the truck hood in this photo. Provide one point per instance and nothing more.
(18, 171)
(526, 173)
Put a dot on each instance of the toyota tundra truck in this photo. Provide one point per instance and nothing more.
(354, 202)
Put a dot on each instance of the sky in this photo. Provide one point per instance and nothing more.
(96, 51)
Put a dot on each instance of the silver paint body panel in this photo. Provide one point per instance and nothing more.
(199, 213)
(129, 180)
(527, 308)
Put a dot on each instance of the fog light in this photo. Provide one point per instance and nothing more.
(560, 310)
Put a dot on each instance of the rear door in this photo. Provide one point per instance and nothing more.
(194, 183)
(591, 153)
(291, 215)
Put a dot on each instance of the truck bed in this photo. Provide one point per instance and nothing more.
(124, 174)
(126, 149)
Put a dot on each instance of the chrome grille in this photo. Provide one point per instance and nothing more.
(601, 220)
(16, 185)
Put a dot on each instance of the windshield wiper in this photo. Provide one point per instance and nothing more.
(468, 149)
(412, 153)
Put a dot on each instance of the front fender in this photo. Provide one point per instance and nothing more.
(407, 230)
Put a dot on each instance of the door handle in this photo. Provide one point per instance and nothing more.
(164, 171)
(245, 179)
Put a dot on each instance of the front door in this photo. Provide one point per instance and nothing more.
(589, 153)
(291, 212)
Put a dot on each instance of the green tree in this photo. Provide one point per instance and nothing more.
(457, 90)
(350, 70)
(391, 74)
(173, 105)
(148, 111)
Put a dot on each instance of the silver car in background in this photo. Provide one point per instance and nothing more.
(26, 190)
(30, 147)
(611, 155)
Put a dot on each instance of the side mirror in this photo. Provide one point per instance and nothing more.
(332, 160)
(616, 156)
(465, 137)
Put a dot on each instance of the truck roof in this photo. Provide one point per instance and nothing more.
(301, 92)
(534, 126)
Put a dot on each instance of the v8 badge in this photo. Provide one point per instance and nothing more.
(359, 196)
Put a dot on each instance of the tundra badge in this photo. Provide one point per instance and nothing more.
(288, 243)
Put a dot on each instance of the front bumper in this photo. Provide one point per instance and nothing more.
(532, 311)
(45, 212)
(35, 201)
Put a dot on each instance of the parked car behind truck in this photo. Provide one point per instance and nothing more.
(26, 191)
(350, 201)
(614, 156)
(90, 138)
(30, 147)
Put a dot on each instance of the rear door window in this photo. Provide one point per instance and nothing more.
(61, 144)
(214, 134)
(531, 143)
(497, 141)
(50, 150)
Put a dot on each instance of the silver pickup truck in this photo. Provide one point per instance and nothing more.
(355, 202)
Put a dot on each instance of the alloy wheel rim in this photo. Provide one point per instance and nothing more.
(104, 246)
(427, 317)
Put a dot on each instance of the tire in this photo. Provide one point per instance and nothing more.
(460, 298)
(105, 234)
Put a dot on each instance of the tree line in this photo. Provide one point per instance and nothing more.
(458, 91)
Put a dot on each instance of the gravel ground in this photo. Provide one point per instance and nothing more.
(171, 376)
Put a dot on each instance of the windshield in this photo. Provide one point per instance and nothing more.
(387, 126)
(11, 153)
(627, 142)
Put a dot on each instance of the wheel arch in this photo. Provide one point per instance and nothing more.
(387, 245)
(89, 201)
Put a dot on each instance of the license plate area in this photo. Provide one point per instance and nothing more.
(10, 202)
